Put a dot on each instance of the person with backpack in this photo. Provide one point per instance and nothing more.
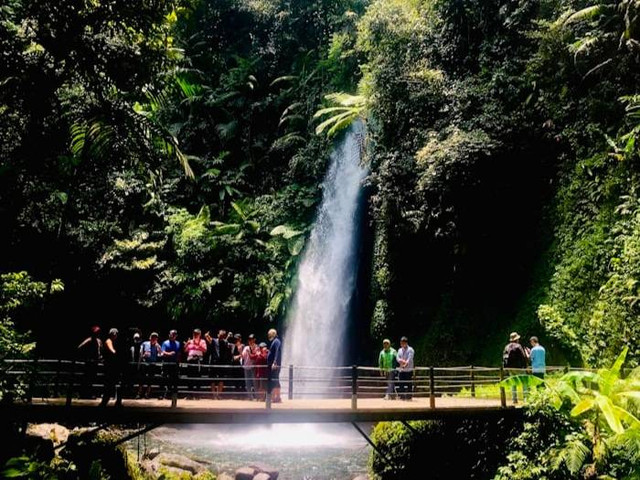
(514, 359)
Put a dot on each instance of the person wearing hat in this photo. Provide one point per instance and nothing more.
(514, 358)
(249, 355)
(150, 352)
(405, 369)
(136, 343)
(387, 361)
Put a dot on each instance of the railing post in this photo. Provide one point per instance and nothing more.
(70, 383)
(354, 387)
(290, 382)
(503, 395)
(268, 396)
(32, 378)
(432, 388)
(174, 381)
(56, 381)
(473, 383)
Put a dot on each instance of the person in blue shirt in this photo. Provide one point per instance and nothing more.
(150, 353)
(537, 357)
(274, 361)
(171, 350)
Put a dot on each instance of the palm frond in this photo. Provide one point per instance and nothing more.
(587, 13)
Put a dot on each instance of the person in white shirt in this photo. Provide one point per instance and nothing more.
(405, 369)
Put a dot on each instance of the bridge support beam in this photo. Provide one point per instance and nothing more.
(374, 446)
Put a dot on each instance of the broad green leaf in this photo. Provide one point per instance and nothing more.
(607, 409)
(626, 417)
(584, 406)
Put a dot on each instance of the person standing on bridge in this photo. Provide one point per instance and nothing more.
(274, 361)
(387, 363)
(114, 360)
(249, 355)
(514, 358)
(195, 349)
(90, 352)
(170, 360)
(405, 369)
(220, 357)
(537, 356)
(260, 363)
(150, 353)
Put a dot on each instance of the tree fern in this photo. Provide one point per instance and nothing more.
(344, 110)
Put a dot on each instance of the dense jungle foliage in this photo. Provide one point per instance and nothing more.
(162, 160)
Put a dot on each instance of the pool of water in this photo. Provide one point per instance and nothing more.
(297, 451)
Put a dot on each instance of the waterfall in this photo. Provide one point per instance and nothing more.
(318, 317)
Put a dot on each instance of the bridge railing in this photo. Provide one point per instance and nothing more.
(72, 379)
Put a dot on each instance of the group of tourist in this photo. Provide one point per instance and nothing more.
(397, 366)
(245, 369)
(517, 359)
(225, 359)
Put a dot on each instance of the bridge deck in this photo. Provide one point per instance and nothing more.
(239, 411)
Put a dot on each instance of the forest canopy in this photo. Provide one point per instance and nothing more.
(163, 161)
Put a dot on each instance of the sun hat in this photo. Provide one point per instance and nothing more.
(513, 337)
(262, 345)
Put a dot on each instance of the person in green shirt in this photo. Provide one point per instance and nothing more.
(387, 364)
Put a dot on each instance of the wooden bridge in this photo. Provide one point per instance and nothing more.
(310, 395)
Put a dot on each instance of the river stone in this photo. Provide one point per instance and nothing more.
(49, 431)
(362, 477)
(245, 473)
(262, 468)
(225, 476)
(177, 461)
(262, 476)
(151, 454)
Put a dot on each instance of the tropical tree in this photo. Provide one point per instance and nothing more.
(607, 405)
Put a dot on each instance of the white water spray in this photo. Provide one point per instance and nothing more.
(317, 320)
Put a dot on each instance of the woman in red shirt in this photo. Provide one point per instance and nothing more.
(195, 348)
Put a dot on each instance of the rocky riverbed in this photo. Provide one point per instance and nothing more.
(332, 452)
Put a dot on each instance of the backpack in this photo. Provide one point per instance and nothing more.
(513, 356)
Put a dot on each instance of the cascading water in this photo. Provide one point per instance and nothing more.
(317, 324)
(317, 320)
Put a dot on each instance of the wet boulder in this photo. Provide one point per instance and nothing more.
(245, 473)
(263, 468)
